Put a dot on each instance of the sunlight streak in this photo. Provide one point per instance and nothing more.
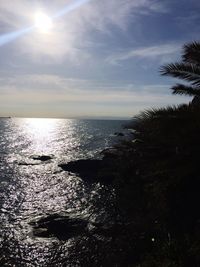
(9, 37)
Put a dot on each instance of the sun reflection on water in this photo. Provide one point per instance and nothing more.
(41, 127)
(35, 189)
(41, 132)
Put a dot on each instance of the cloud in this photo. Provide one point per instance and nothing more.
(35, 95)
(151, 52)
(57, 89)
(159, 7)
(71, 33)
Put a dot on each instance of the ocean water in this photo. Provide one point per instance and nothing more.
(31, 189)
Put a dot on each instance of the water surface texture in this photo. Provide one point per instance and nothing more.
(31, 189)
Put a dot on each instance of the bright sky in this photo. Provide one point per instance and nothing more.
(91, 58)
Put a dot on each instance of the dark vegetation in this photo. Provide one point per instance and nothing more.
(158, 181)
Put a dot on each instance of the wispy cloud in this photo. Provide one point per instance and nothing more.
(34, 87)
(37, 94)
(71, 33)
(151, 52)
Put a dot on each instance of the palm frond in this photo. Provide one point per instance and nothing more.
(155, 113)
(182, 89)
(188, 72)
(192, 53)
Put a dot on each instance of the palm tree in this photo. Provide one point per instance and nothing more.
(188, 70)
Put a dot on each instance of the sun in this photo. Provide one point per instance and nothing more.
(43, 22)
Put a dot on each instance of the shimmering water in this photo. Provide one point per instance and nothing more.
(30, 189)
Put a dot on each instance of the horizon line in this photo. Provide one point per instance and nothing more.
(71, 117)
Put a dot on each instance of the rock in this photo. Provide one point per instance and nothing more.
(119, 134)
(83, 165)
(41, 232)
(42, 158)
(88, 169)
(64, 227)
(27, 164)
(61, 226)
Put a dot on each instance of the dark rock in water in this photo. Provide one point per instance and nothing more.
(83, 165)
(61, 226)
(119, 134)
(65, 227)
(27, 164)
(42, 158)
(41, 232)
(34, 160)
(89, 169)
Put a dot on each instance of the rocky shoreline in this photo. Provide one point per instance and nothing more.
(65, 226)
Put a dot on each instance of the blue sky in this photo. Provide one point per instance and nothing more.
(100, 59)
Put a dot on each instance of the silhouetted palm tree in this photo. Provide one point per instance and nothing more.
(188, 70)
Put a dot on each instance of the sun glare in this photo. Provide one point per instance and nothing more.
(43, 22)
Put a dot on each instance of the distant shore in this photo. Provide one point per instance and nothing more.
(71, 118)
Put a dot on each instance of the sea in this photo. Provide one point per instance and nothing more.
(31, 189)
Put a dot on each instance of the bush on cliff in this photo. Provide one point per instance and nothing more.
(159, 183)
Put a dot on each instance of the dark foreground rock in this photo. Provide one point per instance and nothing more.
(89, 169)
(88, 166)
(27, 164)
(35, 160)
(42, 158)
(119, 134)
(65, 227)
(61, 226)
